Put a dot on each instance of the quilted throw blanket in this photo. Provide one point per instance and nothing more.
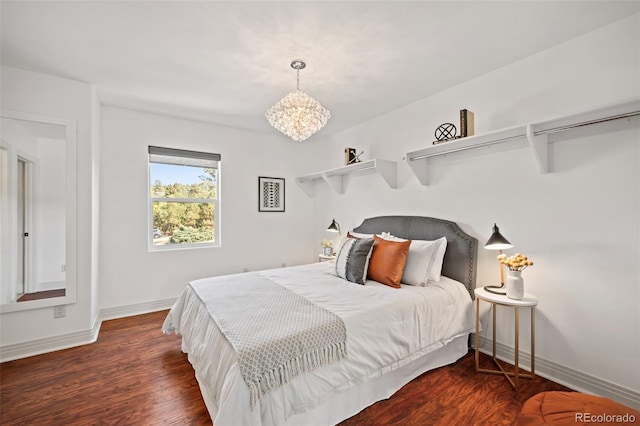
(276, 333)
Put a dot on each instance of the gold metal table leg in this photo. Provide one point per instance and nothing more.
(477, 334)
(495, 308)
(515, 382)
(533, 341)
(517, 353)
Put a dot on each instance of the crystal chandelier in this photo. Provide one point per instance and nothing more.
(298, 115)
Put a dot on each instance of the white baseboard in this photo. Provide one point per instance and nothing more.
(70, 340)
(137, 309)
(49, 344)
(565, 376)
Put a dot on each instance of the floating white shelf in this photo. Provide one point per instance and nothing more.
(536, 134)
(335, 177)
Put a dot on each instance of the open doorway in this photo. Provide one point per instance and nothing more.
(25, 190)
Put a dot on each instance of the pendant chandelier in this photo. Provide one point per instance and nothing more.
(298, 115)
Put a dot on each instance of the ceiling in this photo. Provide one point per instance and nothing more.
(227, 62)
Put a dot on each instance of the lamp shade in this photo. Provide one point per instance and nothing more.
(497, 241)
(334, 227)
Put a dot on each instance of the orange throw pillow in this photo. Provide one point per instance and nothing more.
(387, 261)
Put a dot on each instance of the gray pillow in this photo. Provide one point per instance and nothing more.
(352, 260)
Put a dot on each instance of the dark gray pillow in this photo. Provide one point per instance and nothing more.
(352, 260)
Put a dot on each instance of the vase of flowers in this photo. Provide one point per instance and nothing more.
(514, 282)
(327, 247)
(515, 285)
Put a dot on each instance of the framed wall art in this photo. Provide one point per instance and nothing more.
(270, 194)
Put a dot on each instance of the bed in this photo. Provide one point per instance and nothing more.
(392, 335)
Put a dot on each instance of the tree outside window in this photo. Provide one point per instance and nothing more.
(184, 198)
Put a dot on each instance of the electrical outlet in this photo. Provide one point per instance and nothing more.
(59, 311)
(63, 268)
(245, 269)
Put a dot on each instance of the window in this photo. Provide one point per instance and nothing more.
(184, 198)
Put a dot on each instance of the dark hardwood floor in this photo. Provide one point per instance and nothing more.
(46, 294)
(136, 375)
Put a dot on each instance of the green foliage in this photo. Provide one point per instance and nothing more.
(187, 234)
(185, 222)
(203, 190)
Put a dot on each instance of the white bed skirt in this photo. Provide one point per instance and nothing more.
(350, 402)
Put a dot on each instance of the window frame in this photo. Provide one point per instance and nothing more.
(215, 202)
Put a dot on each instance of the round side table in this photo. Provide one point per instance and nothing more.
(528, 301)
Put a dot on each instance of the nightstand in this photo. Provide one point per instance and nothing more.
(528, 301)
(325, 258)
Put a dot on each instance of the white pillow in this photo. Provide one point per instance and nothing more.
(359, 235)
(435, 270)
(419, 260)
(424, 262)
(384, 236)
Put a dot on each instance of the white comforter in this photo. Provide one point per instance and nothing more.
(386, 329)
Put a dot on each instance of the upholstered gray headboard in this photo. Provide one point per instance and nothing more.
(462, 249)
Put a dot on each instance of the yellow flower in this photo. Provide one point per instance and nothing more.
(326, 243)
(517, 262)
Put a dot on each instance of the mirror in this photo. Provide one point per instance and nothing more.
(37, 211)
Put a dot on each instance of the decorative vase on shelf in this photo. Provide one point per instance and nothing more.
(515, 285)
(327, 251)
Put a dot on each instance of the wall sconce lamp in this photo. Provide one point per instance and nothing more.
(497, 242)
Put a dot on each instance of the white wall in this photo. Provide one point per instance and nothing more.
(579, 223)
(129, 273)
(95, 203)
(71, 100)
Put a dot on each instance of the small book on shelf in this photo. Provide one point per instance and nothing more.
(466, 123)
